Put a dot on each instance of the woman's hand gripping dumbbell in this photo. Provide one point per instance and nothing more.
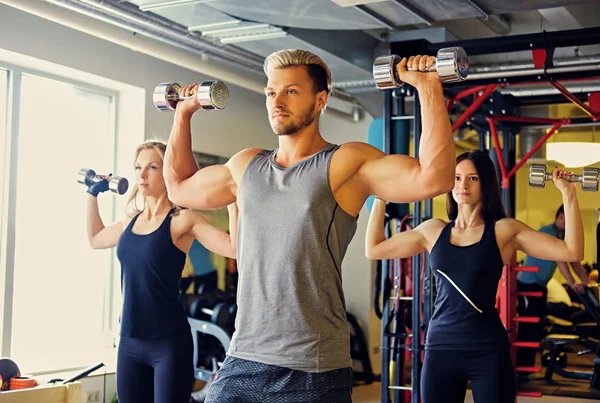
(588, 178)
(101, 183)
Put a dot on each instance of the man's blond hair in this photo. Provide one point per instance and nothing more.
(298, 57)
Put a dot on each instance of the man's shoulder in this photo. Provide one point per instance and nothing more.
(355, 146)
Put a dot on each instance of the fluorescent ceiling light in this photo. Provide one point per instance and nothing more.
(167, 4)
(214, 25)
(573, 155)
(248, 38)
(235, 29)
(351, 3)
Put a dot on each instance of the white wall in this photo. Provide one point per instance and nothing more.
(215, 132)
(243, 123)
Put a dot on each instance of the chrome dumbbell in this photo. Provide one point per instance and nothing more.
(588, 178)
(116, 184)
(211, 95)
(451, 64)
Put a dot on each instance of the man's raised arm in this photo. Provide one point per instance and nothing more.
(208, 188)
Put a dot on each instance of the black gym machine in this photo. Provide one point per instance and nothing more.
(484, 104)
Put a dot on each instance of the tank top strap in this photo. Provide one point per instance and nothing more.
(132, 222)
(446, 231)
(489, 233)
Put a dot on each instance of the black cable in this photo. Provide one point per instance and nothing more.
(377, 293)
(104, 387)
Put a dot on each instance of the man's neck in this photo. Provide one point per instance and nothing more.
(298, 146)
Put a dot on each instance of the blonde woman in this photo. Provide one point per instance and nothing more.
(155, 351)
(298, 213)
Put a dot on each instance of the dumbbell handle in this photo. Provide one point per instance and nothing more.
(98, 178)
(178, 97)
(568, 178)
(429, 69)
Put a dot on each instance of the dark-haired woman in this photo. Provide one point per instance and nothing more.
(466, 340)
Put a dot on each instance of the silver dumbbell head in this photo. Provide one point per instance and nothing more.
(166, 96)
(118, 185)
(537, 176)
(85, 175)
(384, 72)
(213, 95)
(452, 64)
(589, 179)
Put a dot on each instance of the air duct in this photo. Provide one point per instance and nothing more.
(160, 39)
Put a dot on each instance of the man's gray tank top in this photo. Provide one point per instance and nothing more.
(291, 242)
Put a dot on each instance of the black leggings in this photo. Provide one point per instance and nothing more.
(155, 371)
(445, 375)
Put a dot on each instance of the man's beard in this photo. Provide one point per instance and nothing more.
(292, 128)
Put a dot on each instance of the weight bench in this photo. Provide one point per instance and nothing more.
(202, 374)
(557, 344)
(586, 331)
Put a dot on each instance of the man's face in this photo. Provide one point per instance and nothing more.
(292, 103)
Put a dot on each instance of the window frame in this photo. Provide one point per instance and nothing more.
(8, 189)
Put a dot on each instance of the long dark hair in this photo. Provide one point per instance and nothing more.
(491, 202)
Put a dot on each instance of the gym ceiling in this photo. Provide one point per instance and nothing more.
(350, 34)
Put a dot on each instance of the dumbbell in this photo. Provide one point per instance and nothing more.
(219, 315)
(211, 95)
(588, 178)
(451, 64)
(116, 184)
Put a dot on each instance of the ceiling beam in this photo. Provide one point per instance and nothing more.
(355, 47)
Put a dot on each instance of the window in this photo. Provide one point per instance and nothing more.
(59, 299)
(3, 193)
(60, 283)
(3, 124)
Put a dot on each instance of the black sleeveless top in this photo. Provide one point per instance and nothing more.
(466, 277)
(151, 267)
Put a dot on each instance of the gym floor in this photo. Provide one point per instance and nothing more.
(371, 394)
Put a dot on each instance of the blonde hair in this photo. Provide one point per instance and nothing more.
(317, 69)
(132, 209)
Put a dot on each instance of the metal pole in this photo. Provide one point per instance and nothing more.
(416, 268)
(427, 280)
(398, 342)
(385, 270)
(532, 72)
(482, 142)
(506, 199)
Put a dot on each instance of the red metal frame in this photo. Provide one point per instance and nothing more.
(594, 101)
(556, 124)
(475, 105)
(539, 57)
(594, 115)
(592, 110)
(506, 303)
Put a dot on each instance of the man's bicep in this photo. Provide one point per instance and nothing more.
(209, 188)
(396, 178)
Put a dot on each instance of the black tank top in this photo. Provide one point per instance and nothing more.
(151, 267)
(466, 277)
